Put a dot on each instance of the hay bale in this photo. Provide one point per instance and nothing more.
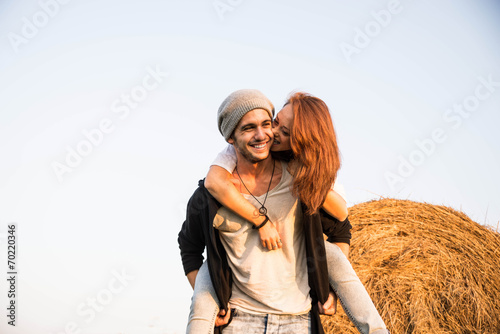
(428, 268)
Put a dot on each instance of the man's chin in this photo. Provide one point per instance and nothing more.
(256, 159)
(252, 156)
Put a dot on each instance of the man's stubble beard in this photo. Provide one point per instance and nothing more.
(247, 155)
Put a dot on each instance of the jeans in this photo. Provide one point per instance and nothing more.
(204, 304)
(268, 323)
(353, 296)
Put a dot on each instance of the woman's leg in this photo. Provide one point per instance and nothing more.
(353, 296)
(204, 304)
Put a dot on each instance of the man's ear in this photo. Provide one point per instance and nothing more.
(230, 140)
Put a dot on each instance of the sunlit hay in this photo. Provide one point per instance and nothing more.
(428, 268)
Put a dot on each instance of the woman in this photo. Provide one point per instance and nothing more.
(304, 134)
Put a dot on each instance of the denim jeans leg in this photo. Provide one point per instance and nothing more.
(353, 296)
(204, 304)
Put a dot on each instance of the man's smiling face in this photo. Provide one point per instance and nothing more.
(253, 136)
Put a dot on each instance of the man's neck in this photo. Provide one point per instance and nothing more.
(257, 178)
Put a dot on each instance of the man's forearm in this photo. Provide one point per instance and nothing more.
(192, 277)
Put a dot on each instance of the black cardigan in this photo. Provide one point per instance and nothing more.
(198, 232)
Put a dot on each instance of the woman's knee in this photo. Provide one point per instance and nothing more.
(334, 253)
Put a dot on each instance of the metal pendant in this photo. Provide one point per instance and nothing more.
(263, 211)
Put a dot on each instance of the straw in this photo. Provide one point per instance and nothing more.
(428, 268)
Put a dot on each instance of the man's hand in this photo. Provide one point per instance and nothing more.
(269, 236)
(192, 277)
(222, 318)
(330, 307)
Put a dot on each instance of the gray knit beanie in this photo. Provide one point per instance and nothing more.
(236, 105)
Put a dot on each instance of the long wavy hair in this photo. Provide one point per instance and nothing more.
(314, 145)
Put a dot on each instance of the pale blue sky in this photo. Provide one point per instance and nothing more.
(122, 206)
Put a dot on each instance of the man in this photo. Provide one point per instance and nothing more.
(270, 290)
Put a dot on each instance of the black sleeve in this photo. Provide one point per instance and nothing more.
(336, 230)
(191, 237)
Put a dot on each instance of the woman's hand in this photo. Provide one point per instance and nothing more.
(222, 317)
(270, 237)
(330, 307)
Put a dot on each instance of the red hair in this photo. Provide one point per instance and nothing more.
(314, 145)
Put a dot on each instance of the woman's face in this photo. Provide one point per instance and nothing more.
(282, 128)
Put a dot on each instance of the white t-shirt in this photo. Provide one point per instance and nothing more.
(268, 281)
(227, 160)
